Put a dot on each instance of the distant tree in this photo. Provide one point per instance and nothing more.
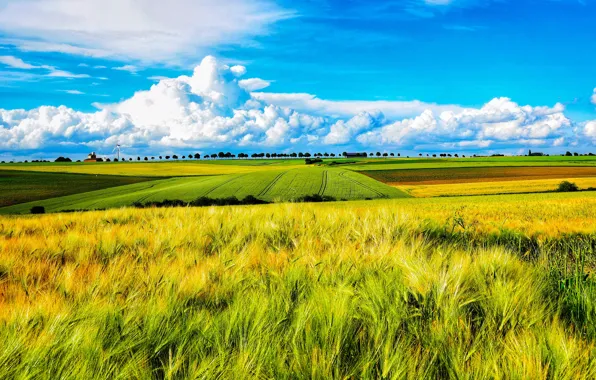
(294, 155)
(434, 155)
(385, 155)
(130, 159)
(268, 155)
(221, 154)
(456, 155)
(153, 158)
(107, 160)
(63, 159)
(138, 158)
(399, 155)
(566, 186)
(307, 155)
(228, 155)
(167, 157)
(392, 154)
(160, 157)
(213, 155)
(332, 154)
(568, 153)
(115, 160)
(420, 154)
(146, 159)
(174, 157)
(575, 154)
(378, 154)
(344, 154)
(197, 156)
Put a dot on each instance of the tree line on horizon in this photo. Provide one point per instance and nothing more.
(229, 155)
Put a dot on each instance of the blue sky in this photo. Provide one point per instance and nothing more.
(451, 56)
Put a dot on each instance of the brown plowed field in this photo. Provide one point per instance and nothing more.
(486, 174)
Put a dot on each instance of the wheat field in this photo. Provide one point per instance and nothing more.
(465, 288)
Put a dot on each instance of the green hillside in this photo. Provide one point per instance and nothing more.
(27, 186)
(283, 185)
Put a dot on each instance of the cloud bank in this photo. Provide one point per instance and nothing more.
(124, 28)
(214, 108)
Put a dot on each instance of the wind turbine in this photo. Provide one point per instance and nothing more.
(118, 149)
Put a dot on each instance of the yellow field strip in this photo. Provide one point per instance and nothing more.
(488, 188)
(151, 169)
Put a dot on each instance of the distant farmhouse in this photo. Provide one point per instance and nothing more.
(535, 154)
(92, 157)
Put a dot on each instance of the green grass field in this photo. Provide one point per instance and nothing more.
(216, 167)
(380, 286)
(63, 186)
(26, 186)
(283, 185)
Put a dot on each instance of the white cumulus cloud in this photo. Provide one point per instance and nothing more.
(254, 84)
(215, 108)
(500, 120)
(341, 109)
(590, 130)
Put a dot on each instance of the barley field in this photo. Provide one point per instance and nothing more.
(478, 287)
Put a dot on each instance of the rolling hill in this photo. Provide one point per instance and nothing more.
(279, 185)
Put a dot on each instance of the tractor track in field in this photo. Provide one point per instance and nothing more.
(118, 193)
(271, 184)
(343, 175)
(146, 196)
(323, 183)
(224, 183)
